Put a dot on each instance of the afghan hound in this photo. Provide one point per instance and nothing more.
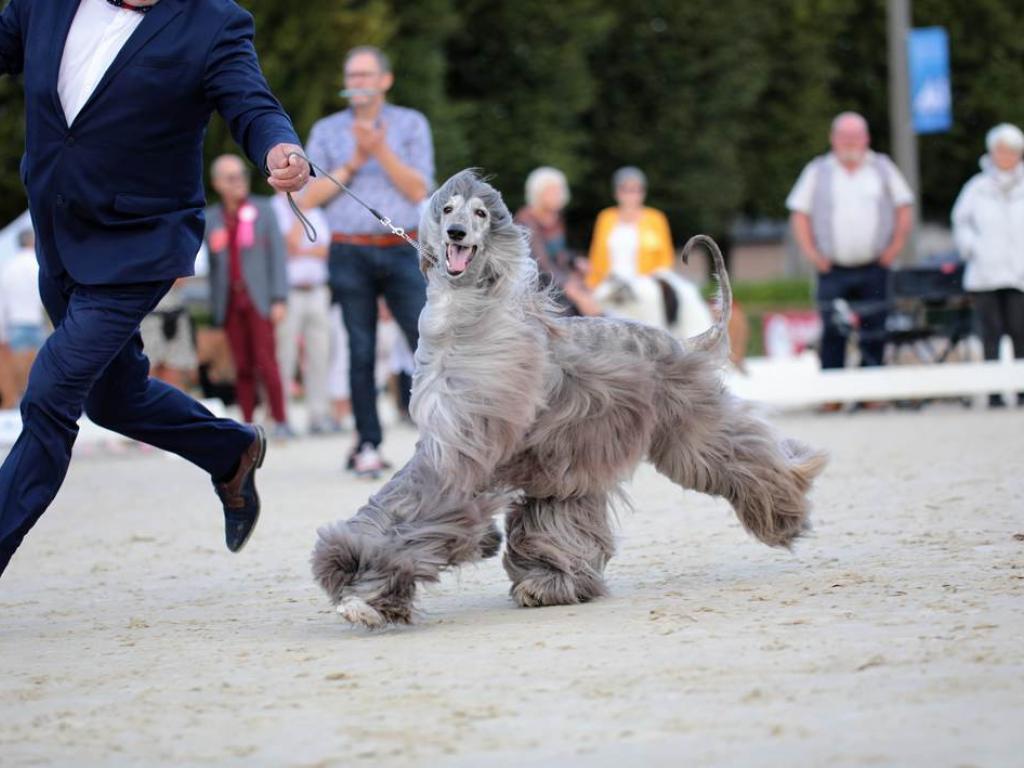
(543, 417)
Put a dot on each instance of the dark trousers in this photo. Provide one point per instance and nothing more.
(1000, 313)
(360, 274)
(866, 289)
(93, 361)
(254, 352)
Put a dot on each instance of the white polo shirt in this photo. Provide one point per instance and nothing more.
(856, 199)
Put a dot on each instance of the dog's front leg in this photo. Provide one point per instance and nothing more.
(409, 532)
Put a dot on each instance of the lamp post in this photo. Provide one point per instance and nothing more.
(903, 138)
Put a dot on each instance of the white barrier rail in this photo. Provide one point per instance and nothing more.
(800, 383)
(787, 384)
(88, 432)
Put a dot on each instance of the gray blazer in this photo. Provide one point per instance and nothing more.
(263, 265)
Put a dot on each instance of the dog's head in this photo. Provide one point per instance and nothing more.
(468, 230)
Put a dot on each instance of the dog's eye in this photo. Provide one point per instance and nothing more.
(481, 213)
(446, 209)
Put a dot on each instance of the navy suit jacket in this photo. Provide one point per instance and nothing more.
(117, 197)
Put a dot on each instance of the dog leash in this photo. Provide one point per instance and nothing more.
(310, 230)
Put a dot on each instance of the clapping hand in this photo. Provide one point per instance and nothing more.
(369, 137)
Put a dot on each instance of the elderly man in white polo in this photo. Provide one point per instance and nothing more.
(851, 212)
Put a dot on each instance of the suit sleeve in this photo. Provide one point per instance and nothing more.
(235, 85)
(12, 49)
(278, 259)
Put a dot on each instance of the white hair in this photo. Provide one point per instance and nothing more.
(852, 117)
(1007, 135)
(540, 178)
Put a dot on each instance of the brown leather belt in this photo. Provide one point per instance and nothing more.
(377, 241)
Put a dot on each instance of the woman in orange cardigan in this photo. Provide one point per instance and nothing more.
(630, 243)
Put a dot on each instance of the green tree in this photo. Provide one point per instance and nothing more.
(721, 102)
(790, 120)
(679, 83)
(986, 50)
(519, 79)
(418, 54)
(301, 55)
(12, 144)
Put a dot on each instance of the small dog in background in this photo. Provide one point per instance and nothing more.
(543, 417)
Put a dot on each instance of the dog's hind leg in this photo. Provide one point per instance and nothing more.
(556, 549)
(709, 441)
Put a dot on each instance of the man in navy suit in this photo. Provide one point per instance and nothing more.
(118, 94)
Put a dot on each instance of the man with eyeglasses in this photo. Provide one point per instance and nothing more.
(385, 155)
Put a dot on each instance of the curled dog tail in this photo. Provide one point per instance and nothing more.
(717, 336)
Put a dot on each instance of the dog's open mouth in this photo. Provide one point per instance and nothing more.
(458, 257)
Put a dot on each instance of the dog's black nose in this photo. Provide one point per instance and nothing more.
(456, 233)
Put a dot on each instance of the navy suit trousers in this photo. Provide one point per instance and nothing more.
(94, 362)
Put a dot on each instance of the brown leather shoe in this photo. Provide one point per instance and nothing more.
(239, 497)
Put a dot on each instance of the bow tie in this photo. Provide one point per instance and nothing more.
(130, 7)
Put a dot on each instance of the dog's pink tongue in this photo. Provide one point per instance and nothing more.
(458, 258)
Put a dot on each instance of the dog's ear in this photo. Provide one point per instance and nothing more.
(429, 232)
(427, 258)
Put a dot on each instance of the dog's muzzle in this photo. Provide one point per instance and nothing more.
(458, 258)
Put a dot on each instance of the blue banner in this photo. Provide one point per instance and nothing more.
(931, 99)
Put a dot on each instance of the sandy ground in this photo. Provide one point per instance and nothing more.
(893, 636)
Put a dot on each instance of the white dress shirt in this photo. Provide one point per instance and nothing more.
(98, 33)
(856, 198)
(623, 246)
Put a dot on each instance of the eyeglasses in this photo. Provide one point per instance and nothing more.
(361, 74)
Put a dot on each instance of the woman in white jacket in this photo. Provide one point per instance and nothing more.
(988, 224)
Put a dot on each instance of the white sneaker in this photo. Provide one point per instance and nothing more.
(367, 463)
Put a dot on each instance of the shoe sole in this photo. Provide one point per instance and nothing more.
(262, 433)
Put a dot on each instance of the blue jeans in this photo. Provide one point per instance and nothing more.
(93, 361)
(866, 289)
(359, 274)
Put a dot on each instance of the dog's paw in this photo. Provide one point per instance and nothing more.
(357, 611)
(553, 588)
